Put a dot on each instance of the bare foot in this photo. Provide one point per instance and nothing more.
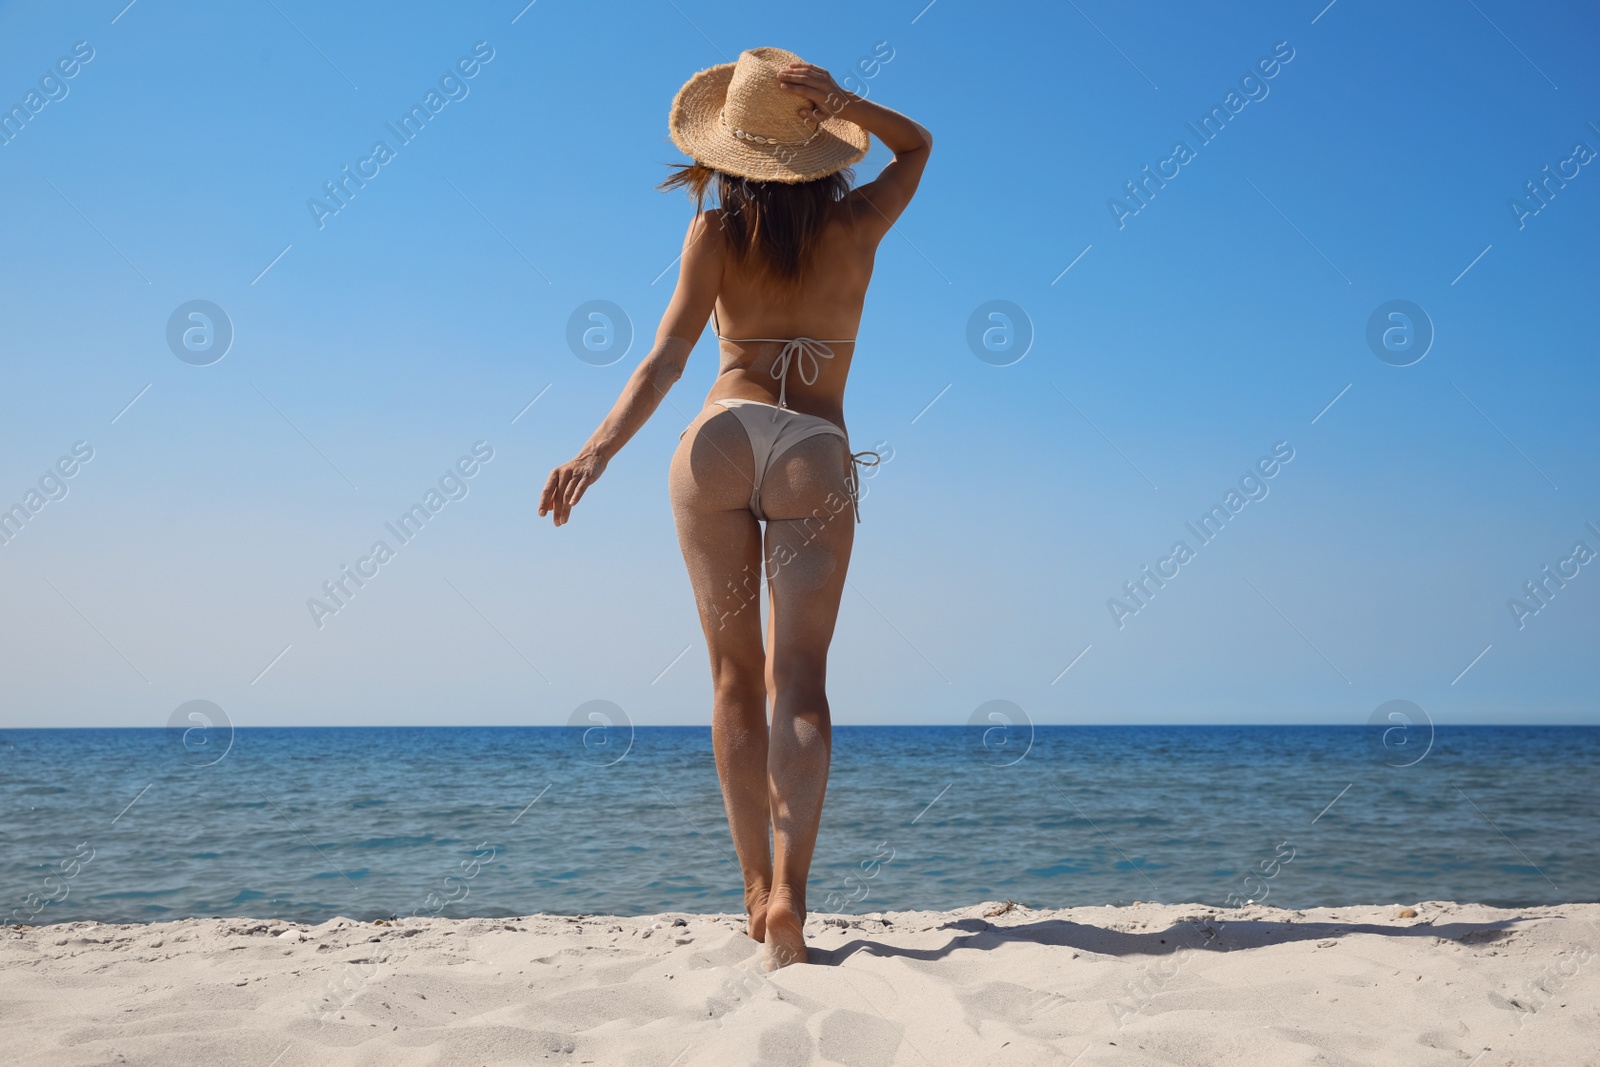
(786, 940)
(755, 905)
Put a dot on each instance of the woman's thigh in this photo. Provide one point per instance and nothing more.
(810, 532)
(710, 485)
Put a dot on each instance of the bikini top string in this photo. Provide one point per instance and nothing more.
(804, 353)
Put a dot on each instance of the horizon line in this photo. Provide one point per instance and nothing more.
(837, 726)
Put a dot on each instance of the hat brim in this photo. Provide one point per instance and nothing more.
(697, 129)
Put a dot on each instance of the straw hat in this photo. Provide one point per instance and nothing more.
(735, 118)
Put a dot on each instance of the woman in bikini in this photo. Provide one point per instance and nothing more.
(781, 267)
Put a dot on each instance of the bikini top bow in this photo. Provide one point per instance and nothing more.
(804, 354)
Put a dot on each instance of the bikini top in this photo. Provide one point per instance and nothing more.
(805, 354)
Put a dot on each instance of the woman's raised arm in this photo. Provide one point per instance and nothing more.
(699, 279)
(908, 139)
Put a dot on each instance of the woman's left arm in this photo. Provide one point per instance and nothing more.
(699, 278)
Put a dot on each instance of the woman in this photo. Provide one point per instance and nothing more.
(783, 260)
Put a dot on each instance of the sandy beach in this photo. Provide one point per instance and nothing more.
(989, 984)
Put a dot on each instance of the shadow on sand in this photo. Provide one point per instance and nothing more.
(1210, 936)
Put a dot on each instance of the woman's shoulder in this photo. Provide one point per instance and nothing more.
(853, 214)
(705, 239)
(707, 228)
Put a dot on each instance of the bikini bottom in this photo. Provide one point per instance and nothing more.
(773, 430)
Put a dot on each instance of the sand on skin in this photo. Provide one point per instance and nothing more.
(989, 984)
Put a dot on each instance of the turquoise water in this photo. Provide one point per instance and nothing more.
(304, 824)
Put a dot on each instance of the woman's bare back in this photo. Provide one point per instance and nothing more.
(827, 307)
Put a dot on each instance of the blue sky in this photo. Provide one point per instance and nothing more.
(371, 352)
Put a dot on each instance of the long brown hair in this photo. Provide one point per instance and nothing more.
(773, 226)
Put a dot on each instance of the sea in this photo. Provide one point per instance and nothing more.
(304, 824)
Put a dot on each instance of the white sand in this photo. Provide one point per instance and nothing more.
(984, 985)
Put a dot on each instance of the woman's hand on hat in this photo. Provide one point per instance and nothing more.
(817, 86)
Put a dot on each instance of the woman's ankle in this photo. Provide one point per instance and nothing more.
(784, 900)
(756, 895)
(785, 930)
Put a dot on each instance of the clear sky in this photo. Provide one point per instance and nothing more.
(1368, 154)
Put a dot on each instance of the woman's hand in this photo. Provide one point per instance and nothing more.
(567, 483)
(825, 98)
